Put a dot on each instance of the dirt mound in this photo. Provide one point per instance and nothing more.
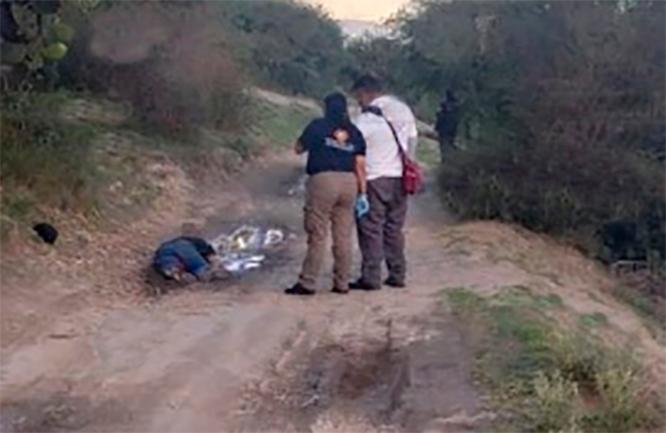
(533, 253)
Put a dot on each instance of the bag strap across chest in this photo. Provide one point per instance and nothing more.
(378, 112)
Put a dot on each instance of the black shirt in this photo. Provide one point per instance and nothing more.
(331, 148)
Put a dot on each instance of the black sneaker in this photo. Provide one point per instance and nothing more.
(339, 291)
(299, 289)
(362, 285)
(393, 282)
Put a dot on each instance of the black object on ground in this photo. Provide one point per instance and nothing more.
(46, 232)
(298, 289)
(392, 282)
(339, 291)
(362, 285)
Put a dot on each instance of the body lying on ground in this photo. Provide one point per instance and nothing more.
(184, 255)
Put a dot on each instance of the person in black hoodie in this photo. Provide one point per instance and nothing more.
(448, 118)
(335, 188)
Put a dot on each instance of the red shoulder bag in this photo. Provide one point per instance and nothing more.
(412, 175)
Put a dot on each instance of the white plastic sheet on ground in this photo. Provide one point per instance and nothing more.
(242, 250)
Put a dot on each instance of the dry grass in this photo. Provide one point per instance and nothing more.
(545, 375)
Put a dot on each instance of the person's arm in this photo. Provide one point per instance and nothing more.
(361, 174)
(360, 148)
(413, 137)
(202, 246)
(362, 205)
(299, 149)
(304, 141)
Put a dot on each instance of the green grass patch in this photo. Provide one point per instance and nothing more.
(267, 126)
(44, 162)
(427, 152)
(593, 320)
(651, 309)
(552, 300)
(465, 300)
(545, 378)
(280, 126)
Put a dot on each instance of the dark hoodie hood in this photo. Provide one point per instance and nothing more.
(335, 108)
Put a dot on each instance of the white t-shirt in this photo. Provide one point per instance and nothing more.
(382, 156)
(401, 116)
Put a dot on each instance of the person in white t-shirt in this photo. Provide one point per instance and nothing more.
(380, 231)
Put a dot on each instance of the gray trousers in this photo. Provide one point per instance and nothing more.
(380, 232)
(446, 147)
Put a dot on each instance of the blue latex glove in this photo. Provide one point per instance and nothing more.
(362, 206)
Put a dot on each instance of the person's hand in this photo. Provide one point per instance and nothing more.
(362, 206)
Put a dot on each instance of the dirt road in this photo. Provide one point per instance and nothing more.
(241, 356)
(244, 357)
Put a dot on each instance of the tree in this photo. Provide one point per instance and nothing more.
(563, 109)
(293, 46)
(35, 34)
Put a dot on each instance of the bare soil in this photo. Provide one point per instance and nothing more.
(84, 348)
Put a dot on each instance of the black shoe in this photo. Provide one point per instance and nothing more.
(393, 282)
(362, 285)
(299, 289)
(339, 291)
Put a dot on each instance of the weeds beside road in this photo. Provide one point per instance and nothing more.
(547, 377)
(72, 154)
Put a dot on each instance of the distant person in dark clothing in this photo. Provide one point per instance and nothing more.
(446, 126)
(335, 188)
(184, 255)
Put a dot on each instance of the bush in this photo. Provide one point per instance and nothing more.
(556, 403)
(567, 138)
(172, 61)
(571, 194)
(288, 45)
(562, 112)
(621, 408)
(44, 163)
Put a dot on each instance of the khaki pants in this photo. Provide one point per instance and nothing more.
(330, 198)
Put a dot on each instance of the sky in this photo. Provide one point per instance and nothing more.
(373, 10)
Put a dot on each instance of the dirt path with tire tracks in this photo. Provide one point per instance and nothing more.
(241, 356)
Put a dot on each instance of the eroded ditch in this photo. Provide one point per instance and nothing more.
(370, 382)
(332, 387)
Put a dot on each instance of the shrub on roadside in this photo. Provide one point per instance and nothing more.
(172, 61)
(584, 124)
(562, 112)
(44, 163)
(565, 193)
(287, 45)
(556, 403)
